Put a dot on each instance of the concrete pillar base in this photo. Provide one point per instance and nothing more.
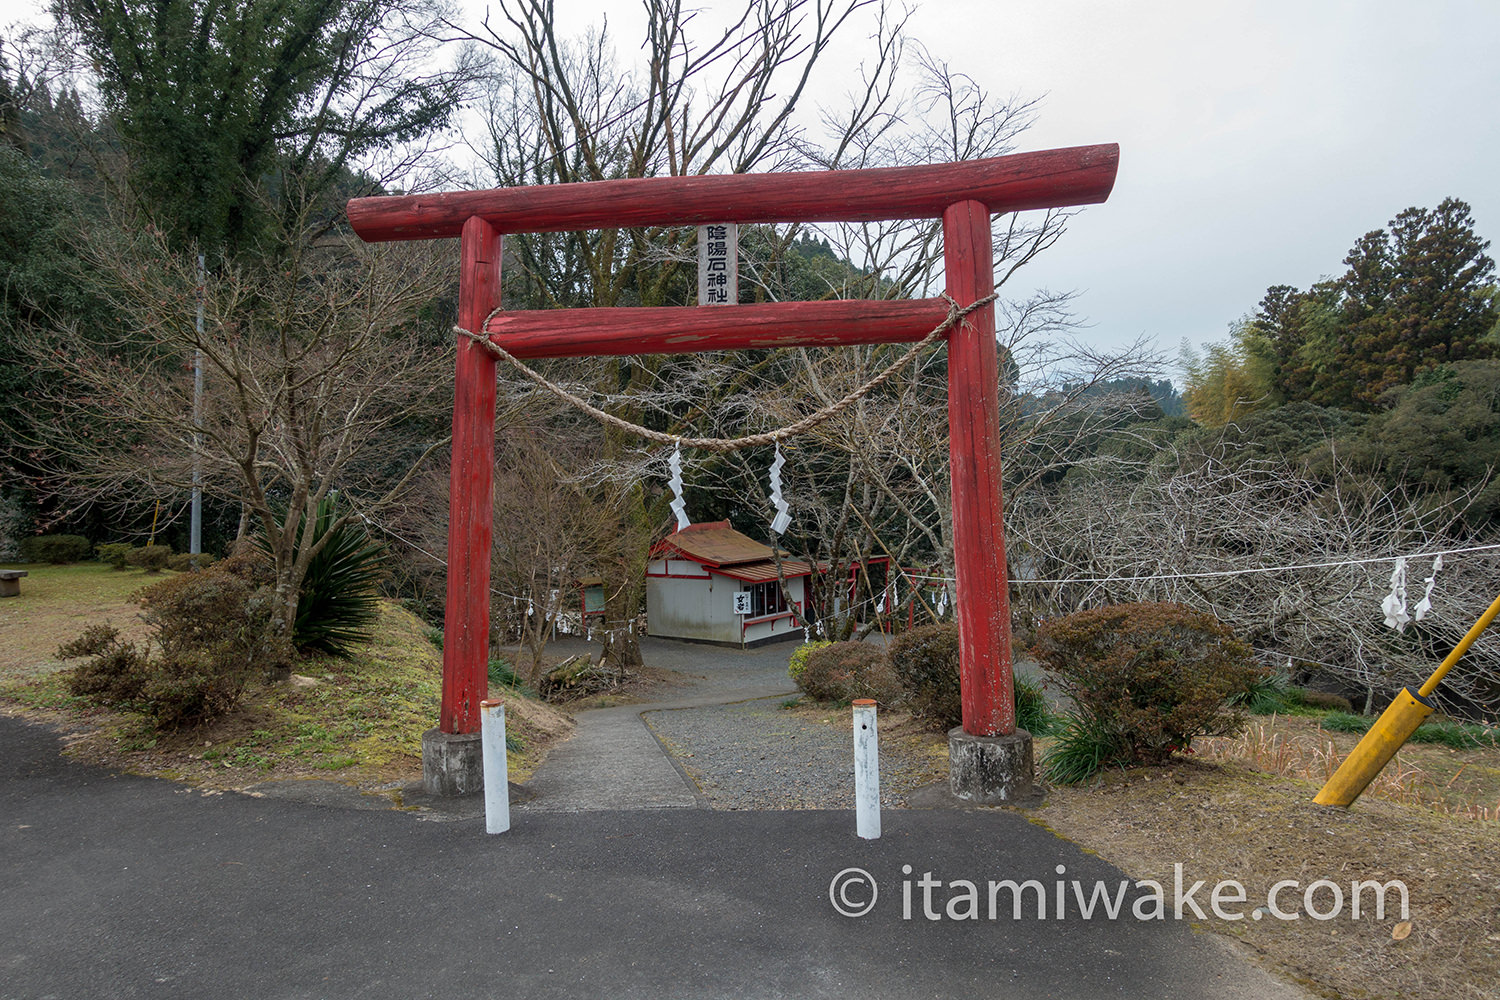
(452, 763)
(990, 770)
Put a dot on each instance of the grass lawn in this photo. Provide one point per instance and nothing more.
(357, 720)
(56, 602)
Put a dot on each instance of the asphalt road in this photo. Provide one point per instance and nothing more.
(116, 886)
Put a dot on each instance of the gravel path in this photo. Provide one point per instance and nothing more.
(710, 671)
(758, 755)
(613, 761)
(727, 730)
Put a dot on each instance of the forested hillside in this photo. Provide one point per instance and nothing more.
(1340, 428)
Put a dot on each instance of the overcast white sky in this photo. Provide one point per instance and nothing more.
(1259, 138)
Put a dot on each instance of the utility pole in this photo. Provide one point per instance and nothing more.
(195, 532)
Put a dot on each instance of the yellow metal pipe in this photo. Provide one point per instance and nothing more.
(1386, 736)
(1395, 726)
(1463, 647)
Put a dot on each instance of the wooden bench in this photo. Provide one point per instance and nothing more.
(10, 582)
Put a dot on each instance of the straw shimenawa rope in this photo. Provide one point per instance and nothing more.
(956, 314)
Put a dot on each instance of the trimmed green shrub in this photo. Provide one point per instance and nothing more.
(926, 663)
(214, 632)
(114, 554)
(56, 549)
(183, 562)
(151, 558)
(1146, 679)
(116, 672)
(844, 671)
(193, 688)
(1324, 700)
(248, 562)
(798, 662)
(197, 611)
(214, 629)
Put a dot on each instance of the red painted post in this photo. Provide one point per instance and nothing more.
(983, 603)
(466, 628)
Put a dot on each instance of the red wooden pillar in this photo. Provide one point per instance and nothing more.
(983, 602)
(466, 629)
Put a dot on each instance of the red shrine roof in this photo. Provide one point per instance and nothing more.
(719, 547)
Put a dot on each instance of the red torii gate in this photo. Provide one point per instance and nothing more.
(989, 760)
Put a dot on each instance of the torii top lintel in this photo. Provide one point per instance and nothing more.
(1054, 178)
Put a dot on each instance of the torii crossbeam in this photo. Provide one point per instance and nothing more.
(986, 756)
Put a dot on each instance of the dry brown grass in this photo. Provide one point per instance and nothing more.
(1460, 783)
(1228, 821)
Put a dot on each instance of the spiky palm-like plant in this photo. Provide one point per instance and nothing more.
(338, 603)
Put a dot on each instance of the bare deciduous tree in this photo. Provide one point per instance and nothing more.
(875, 482)
(1226, 537)
(311, 362)
(553, 530)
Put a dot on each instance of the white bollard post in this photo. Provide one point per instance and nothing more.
(496, 767)
(866, 771)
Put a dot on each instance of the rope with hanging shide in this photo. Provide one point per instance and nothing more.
(956, 314)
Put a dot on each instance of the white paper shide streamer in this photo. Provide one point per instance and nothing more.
(1394, 604)
(679, 505)
(783, 509)
(1425, 604)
